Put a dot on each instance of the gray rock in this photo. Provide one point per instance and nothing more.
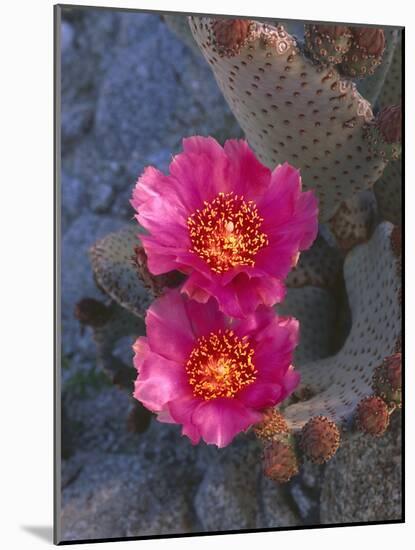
(70, 470)
(75, 122)
(228, 496)
(118, 495)
(99, 419)
(311, 475)
(275, 509)
(77, 279)
(305, 489)
(155, 93)
(363, 481)
(234, 493)
(67, 36)
(102, 198)
(73, 199)
(306, 503)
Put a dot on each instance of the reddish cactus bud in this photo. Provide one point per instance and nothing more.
(372, 416)
(92, 312)
(319, 439)
(230, 34)
(370, 40)
(327, 43)
(384, 134)
(273, 423)
(365, 54)
(387, 380)
(389, 123)
(333, 31)
(280, 460)
(155, 283)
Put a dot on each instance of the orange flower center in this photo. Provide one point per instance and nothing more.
(220, 365)
(227, 232)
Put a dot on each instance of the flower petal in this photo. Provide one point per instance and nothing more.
(250, 176)
(220, 420)
(159, 381)
(141, 350)
(291, 381)
(204, 318)
(261, 395)
(169, 331)
(201, 178)
(181, 410)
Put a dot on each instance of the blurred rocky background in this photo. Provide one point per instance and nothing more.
(130, 91)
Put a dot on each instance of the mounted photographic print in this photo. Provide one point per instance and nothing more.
(229, 274)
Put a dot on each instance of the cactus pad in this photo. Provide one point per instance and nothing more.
(353, 222)
(340, 382)
(296, 111)
(115, 271)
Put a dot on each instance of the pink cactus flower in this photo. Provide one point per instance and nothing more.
(232, 225)
(212, 374)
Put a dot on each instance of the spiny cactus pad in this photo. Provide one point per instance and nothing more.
(339, 382)
(388, 192)
(112, 260)
(353, 222)
(318, 266)
(391, 91)
(294, 110)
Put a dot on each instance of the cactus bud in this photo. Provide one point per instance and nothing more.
(92, 312)
(387, 380)
(273, 423)
(327, 44)
(384, 134)
(389, 123)
(280, 460)
(319, 439)
(230, 34)
(365, 53)
(155, 283)
(372, 416)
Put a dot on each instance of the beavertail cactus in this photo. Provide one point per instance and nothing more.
(294, 109)
(296, 103)
(339, 382)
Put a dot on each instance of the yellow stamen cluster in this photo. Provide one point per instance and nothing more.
(227, 232)
(220, 365)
